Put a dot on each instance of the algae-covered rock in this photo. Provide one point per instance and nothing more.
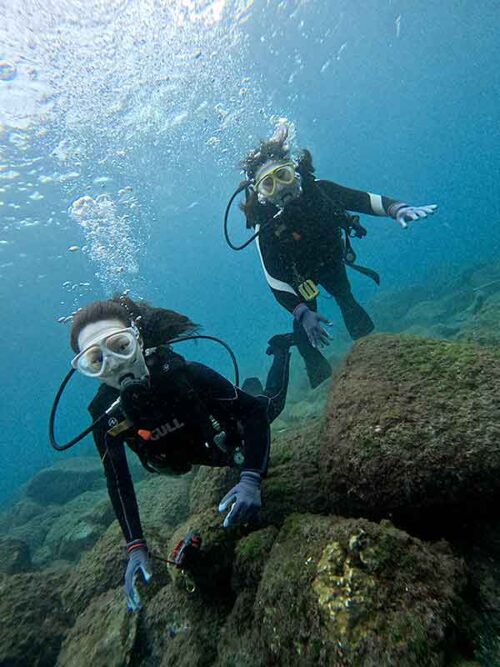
(179, 629)
(250, 557)
(293, 481)
(103, 635)
(79, 537)
(59, 530)
(33, 622)
(14, 556)
(100, 570)
(81, 522)
(20, 513)
(481, 625)
(211, 572)
(209, 486)
(482, 326)
(412, 425)
(35, 532)
(351, 592)
(66, 480)
(462, 305)
(66, 531)
(236, 646)
(164, 501)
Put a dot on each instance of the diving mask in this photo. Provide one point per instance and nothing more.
(103, 357)
(268, 182)
(278, 183)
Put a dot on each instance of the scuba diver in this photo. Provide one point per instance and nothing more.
(171, 412)
(298, 222)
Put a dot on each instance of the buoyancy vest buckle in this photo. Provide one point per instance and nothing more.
(308, 290)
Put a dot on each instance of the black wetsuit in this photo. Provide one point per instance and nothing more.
(305, 242)
(190, 415)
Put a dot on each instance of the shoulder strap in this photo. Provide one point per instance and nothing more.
(352, 227)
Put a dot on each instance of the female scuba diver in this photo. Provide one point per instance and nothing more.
(171, 412)
(298, 222)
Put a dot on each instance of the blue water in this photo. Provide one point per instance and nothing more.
(164, 99)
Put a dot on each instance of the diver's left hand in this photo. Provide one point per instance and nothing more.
(244, 499)
(405, 214)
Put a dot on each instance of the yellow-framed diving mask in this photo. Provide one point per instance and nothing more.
(267, 182)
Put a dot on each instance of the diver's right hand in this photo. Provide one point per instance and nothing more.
(311, 322)
(138, 561)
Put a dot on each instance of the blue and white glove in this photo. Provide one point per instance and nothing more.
(311, 322)
(244, 499)
(138, 561)
(403, 213)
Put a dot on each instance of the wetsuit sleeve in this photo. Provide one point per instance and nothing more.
(251, 412)
(120, 486)
(256, 431)
(358, 201)
(277, 276)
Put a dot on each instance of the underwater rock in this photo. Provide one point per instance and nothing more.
(482, 326)
(350, 592)
(425, 313)
(28, 521)
(209, 486)
(33, 621)
(236, 646)
(78, 527)
(99, 510)
(212, 573)
(293, 481)
(250, 557)
(441, 306)
(103, 635)
(34, 531)
(50, 530)
(481, 622)
(100, 570)
(66, 480)
(412, 429)
(307, 409)
(14, 556)
(20, 513)
(163, 500)
(80, 536)
(179, 629)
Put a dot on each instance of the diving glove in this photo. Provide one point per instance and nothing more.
(244, 499)
(311, 322)
(403, 213)
(138, 561)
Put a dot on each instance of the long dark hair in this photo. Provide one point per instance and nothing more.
(156, 325)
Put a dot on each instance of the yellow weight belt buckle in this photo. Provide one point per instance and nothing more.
(308, 290)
